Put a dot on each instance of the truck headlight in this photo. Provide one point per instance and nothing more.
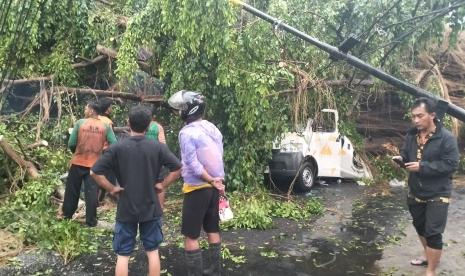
(292, 147)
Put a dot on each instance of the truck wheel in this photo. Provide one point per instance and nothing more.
(306, 179)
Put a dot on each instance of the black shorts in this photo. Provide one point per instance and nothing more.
(200, 209)
(429, 218)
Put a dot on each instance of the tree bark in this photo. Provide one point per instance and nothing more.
(10, 152)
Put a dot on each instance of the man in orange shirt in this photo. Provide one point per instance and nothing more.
(87, 141)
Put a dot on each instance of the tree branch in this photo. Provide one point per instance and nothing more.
(112, 53)
(26, 81)
(399, 39)
(379, 18)
(78, 65)
(90, 62)
(10, 152)
(112, 94)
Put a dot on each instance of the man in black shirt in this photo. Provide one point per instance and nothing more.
(136, 162)
(431, 156)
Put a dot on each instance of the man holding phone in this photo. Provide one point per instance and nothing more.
(430, 154)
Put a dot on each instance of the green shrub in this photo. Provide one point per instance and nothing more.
(30, 211)
(256, 209)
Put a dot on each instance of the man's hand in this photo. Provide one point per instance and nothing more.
(159, 187)
(218, 183)
(116, 190)
(413, 166)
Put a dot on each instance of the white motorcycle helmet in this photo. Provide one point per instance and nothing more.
(191, 104)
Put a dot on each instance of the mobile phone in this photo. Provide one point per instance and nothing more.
(399, 162)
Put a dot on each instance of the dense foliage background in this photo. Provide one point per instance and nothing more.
(257, 79)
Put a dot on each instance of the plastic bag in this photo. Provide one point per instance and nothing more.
(224, 209)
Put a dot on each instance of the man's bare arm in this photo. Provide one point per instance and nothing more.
(169, 179)
(103, 182)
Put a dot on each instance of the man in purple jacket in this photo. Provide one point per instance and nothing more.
(203, 173)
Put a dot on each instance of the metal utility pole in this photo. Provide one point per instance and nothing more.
(339, 54)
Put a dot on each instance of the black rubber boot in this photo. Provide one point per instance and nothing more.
(194, 264)
(214, 257)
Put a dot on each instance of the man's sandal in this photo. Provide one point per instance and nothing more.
(419, 262)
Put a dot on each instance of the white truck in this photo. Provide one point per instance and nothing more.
(319, 151)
